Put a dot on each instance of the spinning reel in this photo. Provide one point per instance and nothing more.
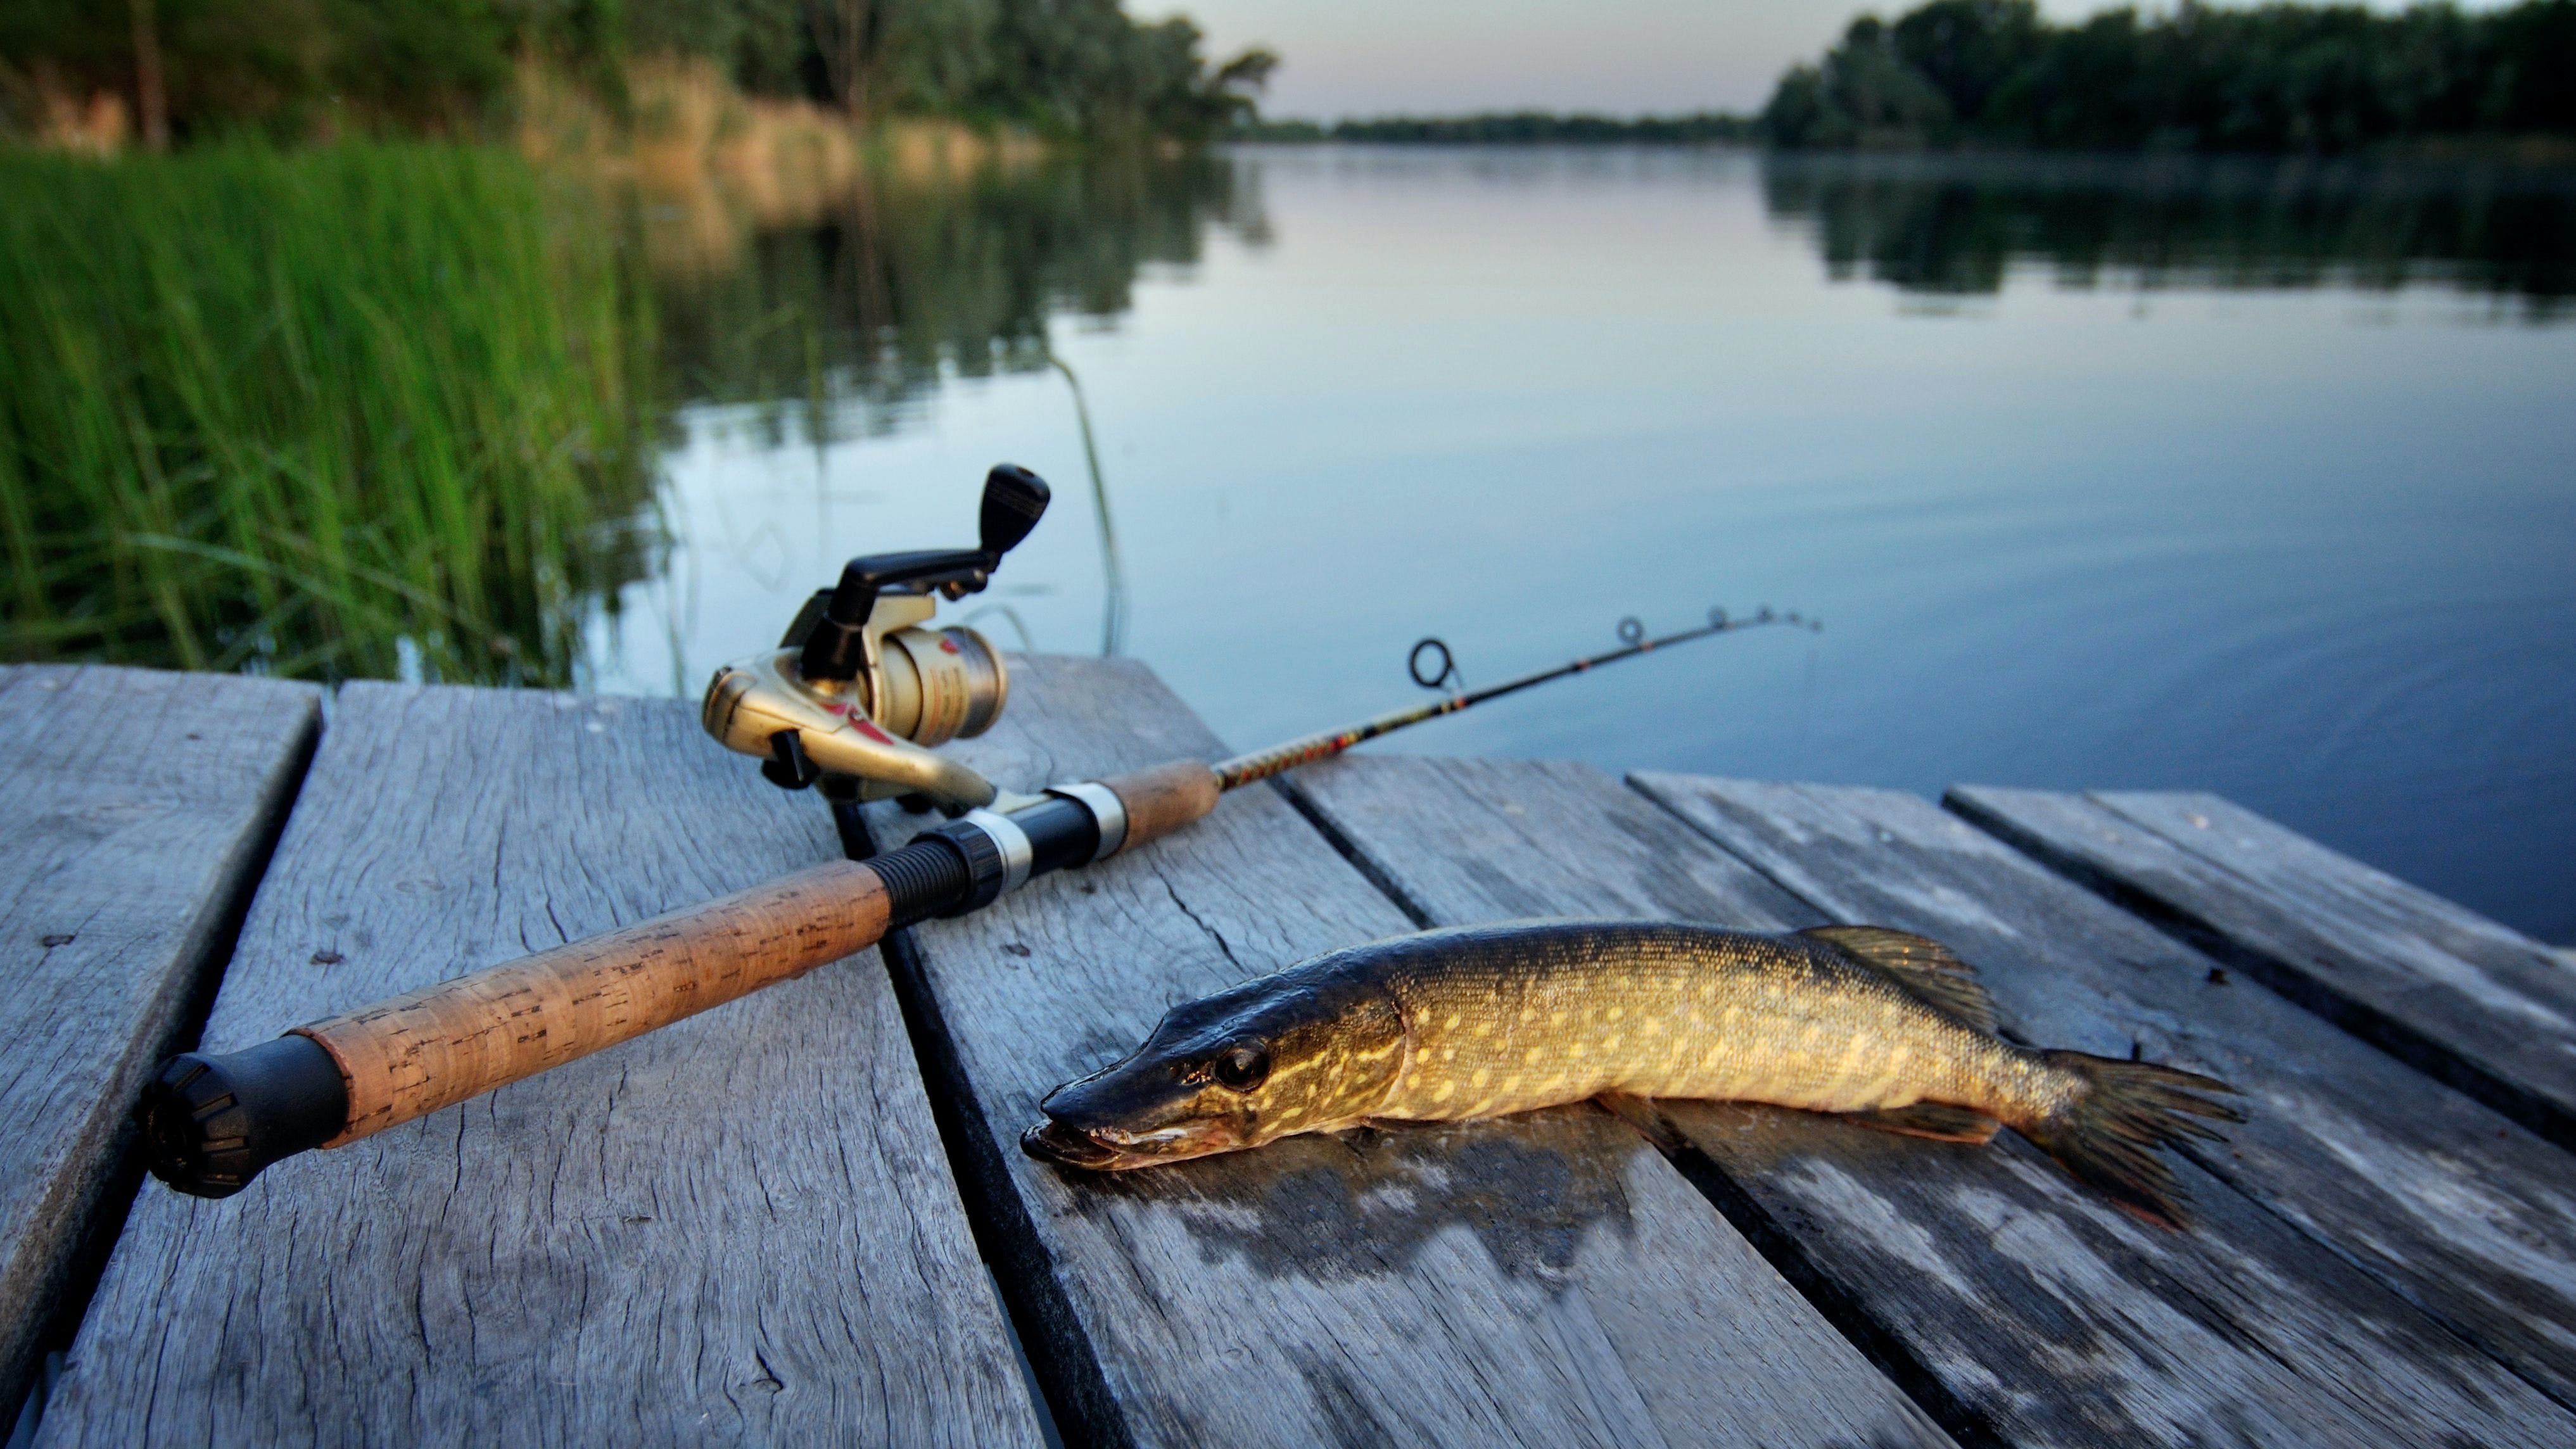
(859, 691)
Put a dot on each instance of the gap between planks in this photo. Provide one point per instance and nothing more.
(1640, 860)
(2434, 1196)
(144, 806)
(2463, 1000)
(1273, 1296)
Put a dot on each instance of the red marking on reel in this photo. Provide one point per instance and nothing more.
(949, 644)
(863, 726)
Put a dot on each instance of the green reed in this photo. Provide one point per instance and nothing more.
(286, 411)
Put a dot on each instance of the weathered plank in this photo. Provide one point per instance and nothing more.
(2469, 1000)
(739, 1228)
(139, 808)
(2425, 1191)
(2042, 1318)
(1551, 1280)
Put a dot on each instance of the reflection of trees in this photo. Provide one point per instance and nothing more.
(1953, 225)
(868, 303)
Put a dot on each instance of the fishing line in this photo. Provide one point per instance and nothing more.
(1113, 576)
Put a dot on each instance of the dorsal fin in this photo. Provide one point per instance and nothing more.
(1925, 968)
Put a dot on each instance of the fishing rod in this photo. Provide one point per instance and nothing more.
(1279, 759)
(852, 700)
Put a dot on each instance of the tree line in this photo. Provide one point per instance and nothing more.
(1995, 74)
(2276, 78)
(291, 69)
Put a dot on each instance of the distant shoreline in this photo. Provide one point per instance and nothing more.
(2269, 79)
(1722, 131)
(1513, 128)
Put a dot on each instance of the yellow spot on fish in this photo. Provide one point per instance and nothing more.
(1532, 1055)
(1483, 1075)
(1443, 1094)
(1617, 1011)
(1556, 1018)
(1452, 1023)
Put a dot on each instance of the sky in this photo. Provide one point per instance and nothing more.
(1620, 57)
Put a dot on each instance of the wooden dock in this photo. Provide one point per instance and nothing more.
(804, 1217)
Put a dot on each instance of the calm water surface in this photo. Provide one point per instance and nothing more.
(2254, 480)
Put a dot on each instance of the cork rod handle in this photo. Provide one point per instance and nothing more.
(212, 1122)
(1163, 798)
(411, 1055)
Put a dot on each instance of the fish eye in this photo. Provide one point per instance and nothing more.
(1242, 1067)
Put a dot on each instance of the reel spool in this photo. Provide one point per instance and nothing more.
(858, 691)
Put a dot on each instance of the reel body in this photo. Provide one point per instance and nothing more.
(858, 692)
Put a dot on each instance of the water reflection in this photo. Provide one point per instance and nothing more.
(2231, 540)
(857, 308)
(1958, 225)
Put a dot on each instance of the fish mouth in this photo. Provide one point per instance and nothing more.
(1053, 1141)
(1106, 1149)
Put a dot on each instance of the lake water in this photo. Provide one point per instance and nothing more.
(2252, 479)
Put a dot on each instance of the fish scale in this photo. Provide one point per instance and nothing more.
(1673, 1011)
(1483, 1021)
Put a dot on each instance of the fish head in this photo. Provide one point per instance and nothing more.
(1300, 1051)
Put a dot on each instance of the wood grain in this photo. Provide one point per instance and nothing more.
(409, 1055)
(139, 806)
(1548, 1280)
(2039, 1316)
(2377, 1252)
(2471, 1001)
(740, 1228)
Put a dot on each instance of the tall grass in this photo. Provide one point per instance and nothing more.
(351, 411)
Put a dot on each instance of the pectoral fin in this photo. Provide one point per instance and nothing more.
(1936, 1120)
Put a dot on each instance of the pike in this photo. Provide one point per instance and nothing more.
(853, 699)
(1889, 1030)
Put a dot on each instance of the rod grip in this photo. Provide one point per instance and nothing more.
(413, 1054)
(1163, 798)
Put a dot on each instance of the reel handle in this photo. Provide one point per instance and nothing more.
(1014, 500)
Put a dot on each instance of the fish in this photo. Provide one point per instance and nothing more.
(1884, 1028)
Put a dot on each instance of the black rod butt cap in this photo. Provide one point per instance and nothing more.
(210, 1123)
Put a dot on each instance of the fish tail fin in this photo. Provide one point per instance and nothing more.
(2106, 1131)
